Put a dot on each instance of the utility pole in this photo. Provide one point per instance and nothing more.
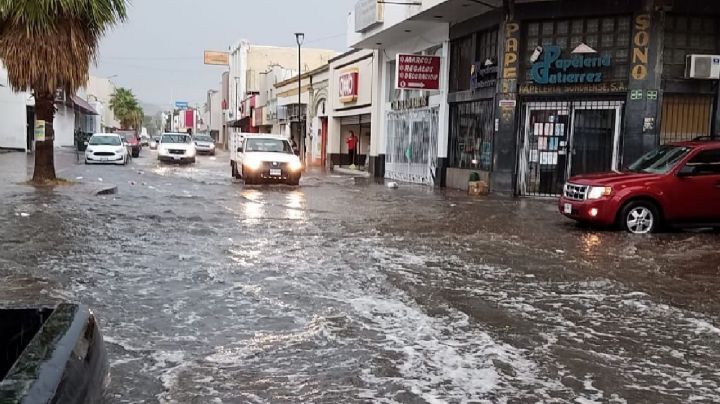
(300, 38)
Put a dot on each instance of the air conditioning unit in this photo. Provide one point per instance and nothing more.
(702, 67)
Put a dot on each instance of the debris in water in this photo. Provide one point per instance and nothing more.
(560, 251)
(100, 179)
(78, 178)
(392, 185)
(453, 205)
(131, 182)
(23, 214)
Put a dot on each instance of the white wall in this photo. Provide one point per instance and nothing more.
(64, 126)
(13, 118)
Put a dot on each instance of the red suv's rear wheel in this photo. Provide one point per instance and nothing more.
(640, 217)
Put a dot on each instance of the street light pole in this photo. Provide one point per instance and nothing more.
(300, 38)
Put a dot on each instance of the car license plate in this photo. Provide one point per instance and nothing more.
(176, 157)
(104, 159)
(275, 172)
(568, 209)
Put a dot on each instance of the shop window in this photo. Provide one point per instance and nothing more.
(471, 135)
(607, 35)
(461, 59)
(685, 117)
(487, 45)
(686, 36)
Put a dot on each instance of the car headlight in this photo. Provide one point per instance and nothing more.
(253, 164)
(119, 150)
(295, 165)
(162, 151)
(599, 192)
(88, 151)
(190, 152)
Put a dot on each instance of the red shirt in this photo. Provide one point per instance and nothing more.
(352, 142)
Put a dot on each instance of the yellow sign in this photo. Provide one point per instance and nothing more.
(39, 131)
(217, 58)
(641, 43)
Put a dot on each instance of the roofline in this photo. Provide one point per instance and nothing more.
(348, 53)
(325, 67)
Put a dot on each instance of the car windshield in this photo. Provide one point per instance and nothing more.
(175, 139)
(105, 141)
(203, 139)
(268, 145)
(129, 137)
(660, 160)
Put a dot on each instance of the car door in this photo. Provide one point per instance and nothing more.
(699, 186)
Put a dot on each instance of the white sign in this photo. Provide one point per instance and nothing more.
(368, 13)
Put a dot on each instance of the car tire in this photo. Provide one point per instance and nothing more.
(234, 171)
(640, 217)
(193, 160)
(136, 155)
(293, 182)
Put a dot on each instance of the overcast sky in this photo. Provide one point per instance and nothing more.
(158, 52)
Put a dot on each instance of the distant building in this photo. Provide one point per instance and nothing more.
(248, 66)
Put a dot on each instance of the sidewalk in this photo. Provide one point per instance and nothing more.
(347, 170)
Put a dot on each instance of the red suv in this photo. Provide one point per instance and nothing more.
(132, 140)
(676, 184)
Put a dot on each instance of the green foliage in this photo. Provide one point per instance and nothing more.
(127, 109)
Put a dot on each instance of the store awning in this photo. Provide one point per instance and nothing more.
(238, 123)
(83, 105)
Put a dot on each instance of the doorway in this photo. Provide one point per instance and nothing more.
(563, 139)
(30, 124)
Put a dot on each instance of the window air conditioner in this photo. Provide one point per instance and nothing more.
(703, 67)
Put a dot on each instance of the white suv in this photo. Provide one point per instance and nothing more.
(267, 158)
(177, 148)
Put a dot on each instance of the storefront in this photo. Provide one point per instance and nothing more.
(416, 111)
(350, 97)
(578, 88)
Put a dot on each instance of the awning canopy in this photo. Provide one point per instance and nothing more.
(83, 105)
(238, 123)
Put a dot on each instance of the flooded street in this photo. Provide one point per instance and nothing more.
(343, 291)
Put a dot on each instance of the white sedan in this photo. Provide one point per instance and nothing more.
(176, 148)
(106, 148)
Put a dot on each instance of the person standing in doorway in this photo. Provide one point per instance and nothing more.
(352, 143)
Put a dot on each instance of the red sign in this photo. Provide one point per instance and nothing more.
(417, 72)
(349, 85)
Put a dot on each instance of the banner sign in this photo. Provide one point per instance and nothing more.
(39, 131)
(417, 72)
(217, 58)
(349, 85)
(181, 104)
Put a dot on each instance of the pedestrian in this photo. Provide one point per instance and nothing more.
(352, 143)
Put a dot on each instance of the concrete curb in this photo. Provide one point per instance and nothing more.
(354, 173)
(107, 190)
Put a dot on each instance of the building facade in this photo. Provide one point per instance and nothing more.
(544, 91)
(538, 91)
(412, 117)
(352, 103)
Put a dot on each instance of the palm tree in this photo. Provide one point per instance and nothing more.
(126, 108)
(48, 45)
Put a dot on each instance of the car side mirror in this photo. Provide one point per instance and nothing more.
(686, 171)
(239, 149)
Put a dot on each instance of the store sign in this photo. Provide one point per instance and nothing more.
(641, 44)
(600, 88)
(368, 14)
(584, 68)
(348, 86)
(217, 58)
(483, 75)
(410, 103)
(417, 72)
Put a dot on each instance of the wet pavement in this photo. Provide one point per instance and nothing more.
(343, 291)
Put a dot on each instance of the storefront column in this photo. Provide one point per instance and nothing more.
(505, 148)
(642, 112)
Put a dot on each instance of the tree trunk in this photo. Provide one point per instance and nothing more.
(44, 151)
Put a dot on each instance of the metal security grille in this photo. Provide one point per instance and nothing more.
(685, 117)
(471, 135)
(412, 146)
(563, 139)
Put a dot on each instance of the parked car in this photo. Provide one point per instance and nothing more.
(265, 158)
(145, 140)
(205, 144)
(106, 148)
(176, 147)
(133, 141)
(676, 184)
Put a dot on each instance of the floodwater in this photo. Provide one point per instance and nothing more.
(345, 291)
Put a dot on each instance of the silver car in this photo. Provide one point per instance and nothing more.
(204, 144)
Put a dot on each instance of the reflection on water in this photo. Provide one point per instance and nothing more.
(296, 205)
(590, 243)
